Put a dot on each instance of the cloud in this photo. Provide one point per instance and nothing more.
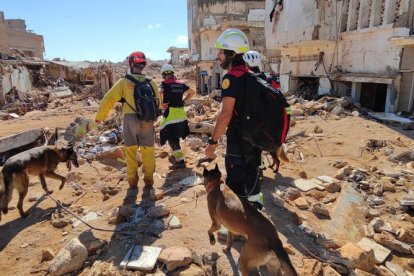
(155, 26)
(182, 39)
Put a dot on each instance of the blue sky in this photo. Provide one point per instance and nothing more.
(103, 29)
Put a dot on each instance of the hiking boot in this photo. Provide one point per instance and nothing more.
(178, 165)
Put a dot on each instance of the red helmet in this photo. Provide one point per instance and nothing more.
(137, 57)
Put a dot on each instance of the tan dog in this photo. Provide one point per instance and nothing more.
(263, 246)
(278, 155)
(41, 161)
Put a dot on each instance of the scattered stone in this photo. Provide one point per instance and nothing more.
(372, 213)
(91, 243)
(69, 259)
(302, 174)
(343, 173)
(195, 143)
(174, 223)
(317, 129)
(389, 242)
(358, 257)
(159, 211)
(89, 217)
(380, 253)
(302, 203)
(141, 257)
(47, 255)
(290, 194)
(303, 184)
(333, 187)
(58, 220)
(329, 271)
(369, 231)
(320, 209)
(339, 164)
(312, 267)
(396, 269)
(329, 198)
(175, 257)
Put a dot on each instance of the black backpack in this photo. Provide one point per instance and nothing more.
(264, 114)
(146, 103)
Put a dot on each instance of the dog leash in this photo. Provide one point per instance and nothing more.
(84, 222)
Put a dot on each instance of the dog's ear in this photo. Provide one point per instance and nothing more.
(216, 168)
(205, 171)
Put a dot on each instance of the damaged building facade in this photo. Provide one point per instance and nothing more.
(359, 48)
(16, 40)
(179, 56)
(206, 21)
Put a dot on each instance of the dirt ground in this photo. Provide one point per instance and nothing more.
(23, 240)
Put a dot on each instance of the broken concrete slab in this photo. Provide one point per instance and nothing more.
(304, 184)
(61, 92)
(20, 139)
(380, 252)
(141, 258)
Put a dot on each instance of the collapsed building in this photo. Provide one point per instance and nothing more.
(16, 40)
(206, 21)
(179, 56)
(359, 48)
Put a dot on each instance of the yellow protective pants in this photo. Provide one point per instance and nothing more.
(148, 164)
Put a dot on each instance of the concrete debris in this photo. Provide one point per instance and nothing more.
(358, 257)
(69, 259)
(381, 253)
(174, 257)
(141, 258)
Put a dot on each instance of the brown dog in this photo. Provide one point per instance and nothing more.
(263, 246)
(41, 161)
(278, 155)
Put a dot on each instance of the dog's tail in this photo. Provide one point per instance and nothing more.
(5, 189)
(281, 154)
(285, 262)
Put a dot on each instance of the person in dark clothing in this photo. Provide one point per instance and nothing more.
(174, 124)
(254, 61)
(242, 160)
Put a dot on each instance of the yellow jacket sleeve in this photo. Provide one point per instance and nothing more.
(111, 97)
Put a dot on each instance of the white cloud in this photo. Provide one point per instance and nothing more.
(182, 39)
(155, 26)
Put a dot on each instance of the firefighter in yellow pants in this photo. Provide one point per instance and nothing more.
(137, 133)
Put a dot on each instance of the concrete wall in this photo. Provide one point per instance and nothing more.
(18, 77)
(26, 42)
(372, 52)
(4, 45)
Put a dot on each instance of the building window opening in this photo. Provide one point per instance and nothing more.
(307, 88)
(373, 96)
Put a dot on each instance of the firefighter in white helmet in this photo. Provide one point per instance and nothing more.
(254, 62)
(242, 160)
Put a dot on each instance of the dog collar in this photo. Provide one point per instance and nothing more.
(212, 185)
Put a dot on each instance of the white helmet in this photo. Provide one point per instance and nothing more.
(167, 68)
(233, 39)
(252, 58)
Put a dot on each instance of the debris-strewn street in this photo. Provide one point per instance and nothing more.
(343, 204)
